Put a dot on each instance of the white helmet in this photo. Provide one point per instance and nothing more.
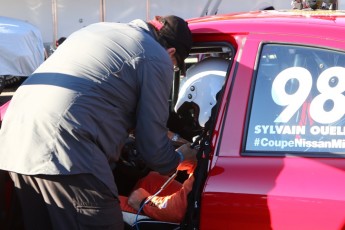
(202, 83)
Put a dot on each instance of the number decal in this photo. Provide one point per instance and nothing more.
(331, 85)
(325, 108)
(292, 101)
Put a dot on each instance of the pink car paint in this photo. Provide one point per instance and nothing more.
(3, 109)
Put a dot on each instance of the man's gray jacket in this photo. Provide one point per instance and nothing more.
(73, 114)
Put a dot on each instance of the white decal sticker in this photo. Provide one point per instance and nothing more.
(330, 84)
(292, 101)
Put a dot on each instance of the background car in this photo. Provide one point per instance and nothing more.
(273, 154)
(21, 50)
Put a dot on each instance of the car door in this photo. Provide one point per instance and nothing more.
(279, 161)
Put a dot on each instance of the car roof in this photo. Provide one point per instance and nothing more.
(303, 22)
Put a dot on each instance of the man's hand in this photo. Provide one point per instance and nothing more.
(189, 161)
(136, 197)
(177, 139)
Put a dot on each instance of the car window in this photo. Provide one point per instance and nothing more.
(298, 102)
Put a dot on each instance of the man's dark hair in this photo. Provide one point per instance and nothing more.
(174, 32)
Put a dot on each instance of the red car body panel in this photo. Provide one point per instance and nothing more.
(3, 109)
(264, 192)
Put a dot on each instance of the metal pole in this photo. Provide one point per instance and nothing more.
(205, 10)
(215, 7)
(148, 17)
(101, 10)
(55, 22)
(175, 89)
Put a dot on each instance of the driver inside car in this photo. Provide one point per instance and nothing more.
(198, 93)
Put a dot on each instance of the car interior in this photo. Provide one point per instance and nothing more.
(184, 122)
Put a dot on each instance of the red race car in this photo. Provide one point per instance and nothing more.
(273, 154)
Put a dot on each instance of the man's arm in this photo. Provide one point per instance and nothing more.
(171, 208)
(155, 81)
